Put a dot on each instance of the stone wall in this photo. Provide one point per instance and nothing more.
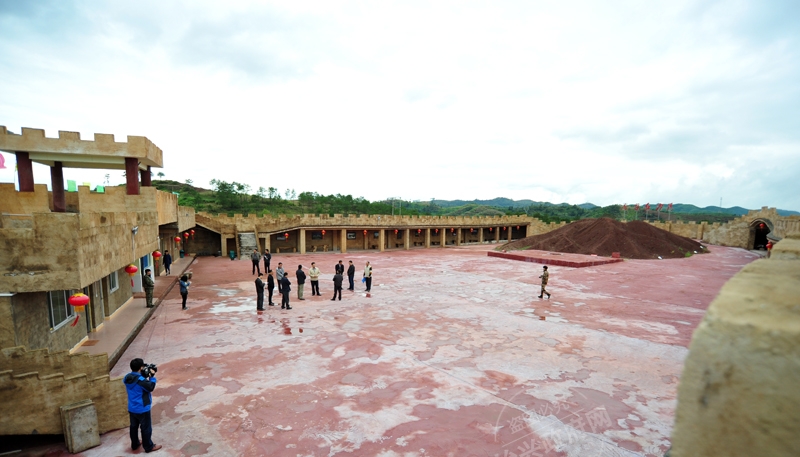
(31, 324)
(14, 202)
(60, 251)
(7, 338)
(33, 386)
(738, 393)
(167, 207)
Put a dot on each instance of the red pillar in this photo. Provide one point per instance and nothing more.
(132, 175)
(145, 176)
(25, 172)
(57, 184)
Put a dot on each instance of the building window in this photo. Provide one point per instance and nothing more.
(113, 282)
(60, 309)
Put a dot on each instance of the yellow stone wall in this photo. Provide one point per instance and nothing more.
(58, 251)
(738, 394)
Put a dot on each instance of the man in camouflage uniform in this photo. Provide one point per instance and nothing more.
(149, 286)
(545, 276)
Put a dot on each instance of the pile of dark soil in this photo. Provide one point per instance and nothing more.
(633, 240)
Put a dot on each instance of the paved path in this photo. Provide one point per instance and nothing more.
(449, 356)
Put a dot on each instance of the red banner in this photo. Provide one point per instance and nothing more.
(658, 208)
(647, 207)
(637, 207)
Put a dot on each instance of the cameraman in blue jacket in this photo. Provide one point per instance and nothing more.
(139, 383)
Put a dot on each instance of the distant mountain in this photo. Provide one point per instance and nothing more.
(676, 208)
(737, 210)
(499, 202)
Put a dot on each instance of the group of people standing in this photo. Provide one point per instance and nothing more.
(281, 277)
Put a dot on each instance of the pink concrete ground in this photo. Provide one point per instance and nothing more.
(449, 356)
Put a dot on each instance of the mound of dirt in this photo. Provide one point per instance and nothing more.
(633, 240)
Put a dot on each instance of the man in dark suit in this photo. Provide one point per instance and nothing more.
(351, 273)
(286, 287)
(270, 286)
(337, 286)
(340, 268)
(259, 293)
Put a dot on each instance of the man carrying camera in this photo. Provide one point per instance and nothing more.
(139, 383)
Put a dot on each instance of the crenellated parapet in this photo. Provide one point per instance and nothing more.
(35, 384)
(73, 152)
(225, 224)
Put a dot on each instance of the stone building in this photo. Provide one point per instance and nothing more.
(56, 243)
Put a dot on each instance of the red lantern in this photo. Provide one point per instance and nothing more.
(437, 230)
(186, 235)
(323, 233)
(286, 235)
(191, 231)
(419, 230)
(491, 229)
(452, 230)
(761, 225)
(365, 233)
(518, 227)
(156, 254)
(177, 239)
(505, 228)
(131, 270)
(78, 301)
(395, 231)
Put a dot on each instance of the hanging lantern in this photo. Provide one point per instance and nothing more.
(156, 254)
(131, 270)
(437, 231)
(186, 235)
(395, 231)
(78, 301)
(504, 228)
(452, 230)
(491, 229)
(761, 225)
(518, 227)
(286, 235)
(177, 239)
(419, 230)
(365, 233)
(191, 231)
(323, 233)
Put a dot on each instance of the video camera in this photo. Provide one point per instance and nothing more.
(149, 370)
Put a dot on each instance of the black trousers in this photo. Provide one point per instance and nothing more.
(315, 288)
(260, 300)
(256, 266)
(369, 284)
(352, 284)
(270, 296)
(183, 296)
(337, 290)
(285, 299)
(143, 421)
(266, 266)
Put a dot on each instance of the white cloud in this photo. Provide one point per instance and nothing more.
(579, 101)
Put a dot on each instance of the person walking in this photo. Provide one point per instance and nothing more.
(337, 286)
(545, 276)
(368, 276)
(259, 293)
(313, 275)
(339, 268)
(280, 273)
(270, 287)
(286, 287)
(301, 281)
(149, 287)
(167, 262)
(256, 258)
(351, 273)
(185, 283)
(267, 259)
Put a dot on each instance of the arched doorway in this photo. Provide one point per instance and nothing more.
(759, 229)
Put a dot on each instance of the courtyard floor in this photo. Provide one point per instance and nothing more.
(451, 354)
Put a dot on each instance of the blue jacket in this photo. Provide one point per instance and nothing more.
(184, 287)
(139, 388)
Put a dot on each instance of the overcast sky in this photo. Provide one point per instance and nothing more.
(569, 101)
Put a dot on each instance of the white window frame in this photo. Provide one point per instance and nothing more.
(113, 278)
(70, 311)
